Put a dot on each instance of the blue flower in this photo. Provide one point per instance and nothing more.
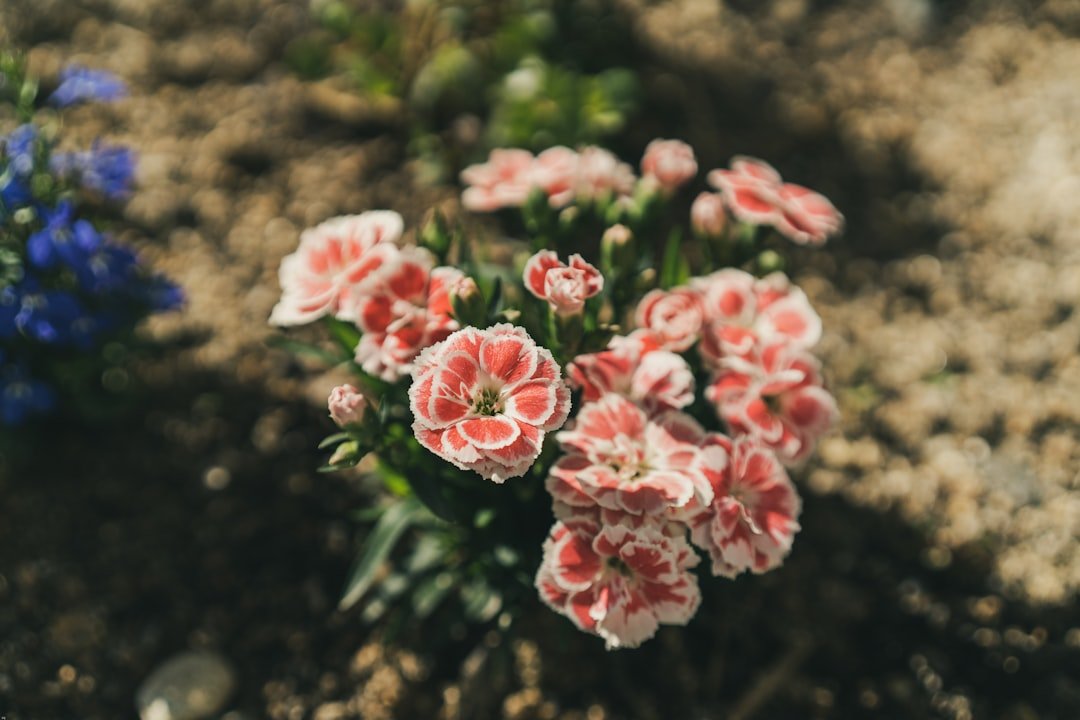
(20, 148)
(10, 302)
(47, 316)
(110, 269)
(161, 295)
(22, 395)
(62, 239)
(79, 84)
(14, 193)
(108, 169)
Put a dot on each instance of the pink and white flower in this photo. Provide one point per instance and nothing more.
(619, 581)
(775, 395)
(676, 315)
(346, 405)
(402, 308)
(756, 194)
(566, 287)
(708, 217)
(754, 515)
(669, 164)
(484, 399)
(332, 259)
(556, 173)
(619, 458)
(601, 175)
(632, 367)
(741, 311)
(505, 180)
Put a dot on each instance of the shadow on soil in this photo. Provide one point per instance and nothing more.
(124, 544)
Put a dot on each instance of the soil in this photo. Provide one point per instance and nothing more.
(937, 565)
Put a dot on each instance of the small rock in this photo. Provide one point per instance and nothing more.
(188, 686)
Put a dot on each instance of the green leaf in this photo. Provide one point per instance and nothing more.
(428, 488)
(495, 304)
(483, 518)
(506, 555)
(366, 515)
(480, 601)
(393, 481)
(428, 552)
(334, 467)
(345, 334)
(333, 440)
(430, 593)
(675, 269)
(376, 549)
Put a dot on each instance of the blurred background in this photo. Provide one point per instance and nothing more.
(937, 569)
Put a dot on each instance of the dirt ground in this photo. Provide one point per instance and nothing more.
(936, 572)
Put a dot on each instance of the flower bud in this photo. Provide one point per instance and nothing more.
(344, 452)
(708, 216)
(770, 261)
(346, 405)
(616, 249)
(468, 302)
(435, 234)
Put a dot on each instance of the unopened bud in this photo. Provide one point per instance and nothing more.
(568, 216)
(770, 261)
(344, 452)
(616, 250)
(467, 302)
(346, 405)
(617, 236)
(708, 216)
(435, 235)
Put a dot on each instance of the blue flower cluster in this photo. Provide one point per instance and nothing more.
(79, 84)
(65, 286)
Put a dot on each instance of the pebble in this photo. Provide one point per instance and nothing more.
(188, 686)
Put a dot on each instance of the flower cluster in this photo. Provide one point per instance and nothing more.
(565, 176)
(354, 268)
(685, 402)
(65, 286)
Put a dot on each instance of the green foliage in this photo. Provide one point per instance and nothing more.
(455, 61)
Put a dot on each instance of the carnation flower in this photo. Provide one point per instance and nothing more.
(619, 581)
(565, 287)
(346, 405)
(483, 400)
(505, 180)
(675, 315)
(402, 308)
(756, 194)
(741, 310)
(753, 518)
(621, 459)
(670, 164)
(708, 217)
(633, 367)
(333, 258)
(601, 175)
(775, 394)
(555, 172)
